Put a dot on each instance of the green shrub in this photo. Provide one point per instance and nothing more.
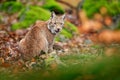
(68, 31)
(52, 5)
(70, 27)
(91, 7)
(11, 7)
(29, 15)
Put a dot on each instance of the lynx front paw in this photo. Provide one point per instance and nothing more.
(50, 50)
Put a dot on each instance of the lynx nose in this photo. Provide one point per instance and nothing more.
(58, 30)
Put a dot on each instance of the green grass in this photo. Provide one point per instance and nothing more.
(82, 65)
(79, 66)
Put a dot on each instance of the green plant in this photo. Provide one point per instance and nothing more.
(11, 6)
(92, 7)
(68, 31)
(29, 15)
(52, 5)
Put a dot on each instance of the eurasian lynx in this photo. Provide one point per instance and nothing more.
(41, 37)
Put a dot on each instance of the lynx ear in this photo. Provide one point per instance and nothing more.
(53, 14)
(63, 16)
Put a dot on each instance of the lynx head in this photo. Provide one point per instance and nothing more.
(55, 23)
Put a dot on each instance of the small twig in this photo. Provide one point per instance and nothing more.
(63, 2)
(79, 7)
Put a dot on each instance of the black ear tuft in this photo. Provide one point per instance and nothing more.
(63, 16)
(53, 14)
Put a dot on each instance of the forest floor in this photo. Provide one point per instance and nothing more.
(75, 59)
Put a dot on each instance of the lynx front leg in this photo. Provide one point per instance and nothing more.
(50, 48)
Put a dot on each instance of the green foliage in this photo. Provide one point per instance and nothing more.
(11, 7)
(0, 18)
(68, 31)
(29, 15)
(52, 5)
(79, 67)
(108, 68)
(64, 35)
(70, 27)
(91, 7)
(118, 27)
(20, 25)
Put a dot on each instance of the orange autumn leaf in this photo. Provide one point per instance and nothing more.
(106, 37)
(83, 16)
(6, 65)
(98, 17)
(108, 20)
(90, 26)
(103, 10)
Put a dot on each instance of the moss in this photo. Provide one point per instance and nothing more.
(68, 31)
(34, 12)
(11, 7)
(29, 15)
(113, 9)
(64, 35)
(19, 25)
(71, 27)
(52, 5)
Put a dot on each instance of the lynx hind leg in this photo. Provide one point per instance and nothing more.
(22, 47)
(44, 53)
(45, 47)
(44, 50)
